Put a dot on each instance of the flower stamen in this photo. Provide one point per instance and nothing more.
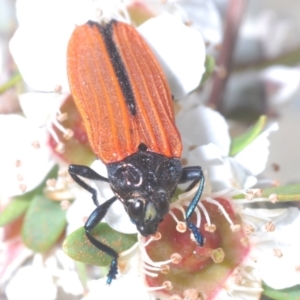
(181, 227)
(217, 255)
(176, 258)
(270, 227)
(226, 215)
(273, 198)
(167, 285)
(277, 252)
(249, 229)
(36, 145)
(192, 294)
(205, 212)
(210, 228)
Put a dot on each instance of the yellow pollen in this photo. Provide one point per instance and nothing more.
(270, 227)
(277, 252)
(18, 163)
(244, 241)
(62, 117)
(68, 134)
(192, 294)
(249, 229)
(176, 258)
(217, 255)
(165, 269)
(60, 148)
(156, 236)
(23, 187)
(168, 285)
(273, 198)
(235, 227)
(35, 145)
(210, 227)
(181, 227)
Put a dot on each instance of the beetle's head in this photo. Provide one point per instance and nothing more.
(147, 212)
(145, 182)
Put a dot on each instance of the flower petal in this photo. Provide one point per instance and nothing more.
(254, 157)
(179, 49)
(33, 283)
(25, 158)
(210, 160)
(40, 107)
(202, 125)
(40, 54)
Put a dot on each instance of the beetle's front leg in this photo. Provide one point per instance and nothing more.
(94, 219)
(195, 175)
(86, 172)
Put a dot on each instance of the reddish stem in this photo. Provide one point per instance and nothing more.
(233, 20)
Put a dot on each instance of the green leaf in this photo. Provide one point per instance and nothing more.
(240, 142)
(14, 80)
(292, 293)
(44, 223)
(20, 204)
(81, 269)
(284, 193)
(209, 65)
(14, 210)
(78, 247)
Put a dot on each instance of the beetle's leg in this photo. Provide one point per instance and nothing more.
(86, 172)
(96, 216)
(195, 174)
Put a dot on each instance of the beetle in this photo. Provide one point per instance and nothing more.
(126, 105)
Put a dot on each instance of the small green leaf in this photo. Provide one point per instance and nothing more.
(14, 80)
(44, 223)
(209, 65)
(292, 293)
(240, 142)
(284, 193)
(14, 210)
(20, 204)
(78, 247)
(82, 273)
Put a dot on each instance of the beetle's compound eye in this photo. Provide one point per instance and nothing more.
(135, 209)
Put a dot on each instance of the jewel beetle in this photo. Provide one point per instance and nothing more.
(126, 105)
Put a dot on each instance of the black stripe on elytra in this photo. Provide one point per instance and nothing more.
(118, 65)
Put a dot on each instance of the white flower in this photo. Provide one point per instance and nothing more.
(40, 51)
(128, 284)
(31, 282)
(25, 156)
(179, 49)
(275, 246)
(209, 144)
